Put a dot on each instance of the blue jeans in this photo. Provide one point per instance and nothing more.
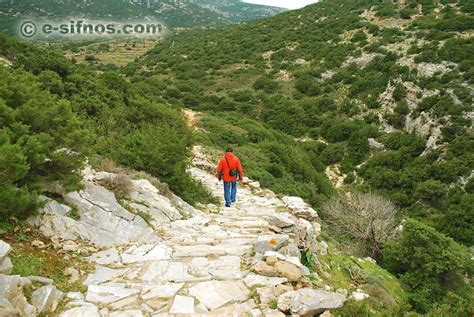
(230, 192)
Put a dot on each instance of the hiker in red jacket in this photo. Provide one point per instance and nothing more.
(230, 170)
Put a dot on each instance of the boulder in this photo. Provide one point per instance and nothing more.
(102, 217)
(11, 291)
(6, 266)
(7, 309)
(322, 248)
(270, 242)
(290, 250)
(70, 246)
(288, 270)
(264, 269)
(72, 273)
(52, 207)
(299, 208)
(46, 298)
(269, 294)
(253, 279)
(5, 248)
(281, 220)
(309, 302)
(359, 295)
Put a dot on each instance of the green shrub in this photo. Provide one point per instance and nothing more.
(428, 262)
(41, 142)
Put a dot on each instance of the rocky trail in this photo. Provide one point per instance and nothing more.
(238, 261)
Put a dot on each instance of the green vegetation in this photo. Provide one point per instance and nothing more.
(54, 113)
(298, 95)
(302, 91)
(429, 263)
(30, 261)
(198, 13)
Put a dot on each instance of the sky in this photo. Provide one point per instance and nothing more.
(289, 4)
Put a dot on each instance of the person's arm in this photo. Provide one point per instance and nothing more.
(219, 170)
(241, 171)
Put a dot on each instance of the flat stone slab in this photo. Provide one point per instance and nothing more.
(182, 305)
(311, 302)
(146, 252)
(127, 313)
(108, 293)
(165, 291)
(253, 279)
(82, 311)
(215, 294)
(105, 257)
(103, 274)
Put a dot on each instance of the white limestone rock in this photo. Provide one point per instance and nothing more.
(359, 295)
(215, 294)
(108, 293)
(52, 207)
(46, 298)
(104, 274)
(105, 257)
(11, 292)
(162, 291)
(82, 311)
(270, 242)
(281, 220)
(310, 302)
(146, 252)
(253, 279)
(5, 248)
(182, 305)
(6, 266)
(299, 208)
(127, 313)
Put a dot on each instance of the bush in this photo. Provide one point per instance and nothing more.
(428, 262)
(266, 84)
(366, 219)
(431, 192)
(41, 143)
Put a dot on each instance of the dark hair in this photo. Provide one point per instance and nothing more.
(229, 149)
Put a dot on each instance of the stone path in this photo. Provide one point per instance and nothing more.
(216, 261)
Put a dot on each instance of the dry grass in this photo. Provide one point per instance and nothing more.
(120, 185)
(110, 166)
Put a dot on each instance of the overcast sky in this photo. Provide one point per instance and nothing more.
(290, 4)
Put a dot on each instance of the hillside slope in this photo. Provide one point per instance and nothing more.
(377, 96)
(173, 14)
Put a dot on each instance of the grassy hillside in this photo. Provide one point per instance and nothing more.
(376, 95)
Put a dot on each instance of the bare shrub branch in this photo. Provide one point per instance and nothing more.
(366, 219)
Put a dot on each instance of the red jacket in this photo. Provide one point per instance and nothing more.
(223, 170)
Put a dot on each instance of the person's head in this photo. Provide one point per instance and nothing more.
(229, 149)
